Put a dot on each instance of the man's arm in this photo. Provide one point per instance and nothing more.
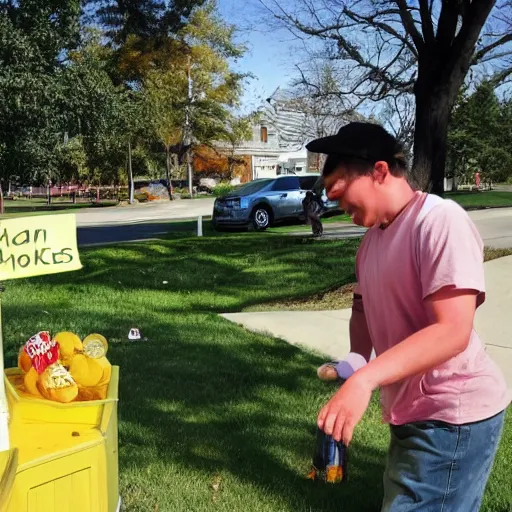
(360, 341)
(452, 312)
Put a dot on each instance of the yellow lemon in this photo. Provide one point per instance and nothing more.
(95, 346)
(107, 370)
(85, 371)
(30, 380)
(69, 344)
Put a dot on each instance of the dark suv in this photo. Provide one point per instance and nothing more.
(262, 202)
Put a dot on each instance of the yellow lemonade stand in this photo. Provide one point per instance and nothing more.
(54, 457)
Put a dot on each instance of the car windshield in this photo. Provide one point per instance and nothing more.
(253, 186)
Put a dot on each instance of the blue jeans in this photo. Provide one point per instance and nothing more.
(436, 467)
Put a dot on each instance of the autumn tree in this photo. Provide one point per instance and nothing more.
(237, 129)
(142, 32)
(189, 100)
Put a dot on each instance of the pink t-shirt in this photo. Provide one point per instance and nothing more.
(430, 245)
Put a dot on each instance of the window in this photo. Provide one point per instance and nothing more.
(308, 182)
(264, 134)
(252, 187)
(288, 183)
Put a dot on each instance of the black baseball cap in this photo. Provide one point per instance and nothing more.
(367, 141)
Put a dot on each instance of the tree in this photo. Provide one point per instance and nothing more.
(479, 136)
(164, 94)
(143, 33)
(106, 117)
(424, 48)
(145, 19)
(35, 38)
(319, 96)
(189, 100)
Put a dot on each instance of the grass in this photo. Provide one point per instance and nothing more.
(480, 200)
(213, 417)
(292, 228)
(340, 297)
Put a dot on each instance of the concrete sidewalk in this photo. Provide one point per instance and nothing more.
(327, 331)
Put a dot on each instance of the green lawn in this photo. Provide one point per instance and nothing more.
(213, 417)
(291, 228)
(479, 200)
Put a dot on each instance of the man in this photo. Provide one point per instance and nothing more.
(312, 211)
(420, 279)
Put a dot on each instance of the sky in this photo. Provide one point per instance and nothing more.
(268, 56)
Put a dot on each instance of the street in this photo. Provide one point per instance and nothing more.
(145, 221)
(138, 222)
(146, 212)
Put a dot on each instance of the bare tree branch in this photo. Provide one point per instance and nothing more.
(447, 25)
(473, 21)
(371, 21)
(409, 24)
(484, 51)
(500, 77)
(426, 22)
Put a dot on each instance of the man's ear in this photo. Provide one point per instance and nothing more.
(380, 171)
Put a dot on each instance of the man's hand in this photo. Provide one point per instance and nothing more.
(345, 409)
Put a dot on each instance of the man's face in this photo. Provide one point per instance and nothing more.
(357, 195)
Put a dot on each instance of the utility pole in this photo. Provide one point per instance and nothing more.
(188, 129)
(130, 174)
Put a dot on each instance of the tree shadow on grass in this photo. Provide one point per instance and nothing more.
(240, 272)
(238, 408)
(202, 398)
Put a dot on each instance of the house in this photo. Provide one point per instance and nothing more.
(286, 123)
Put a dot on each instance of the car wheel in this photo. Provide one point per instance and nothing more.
(260, 218)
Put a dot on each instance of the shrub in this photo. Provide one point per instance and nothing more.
(222, 189)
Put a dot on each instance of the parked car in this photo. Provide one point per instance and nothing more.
(262, 202)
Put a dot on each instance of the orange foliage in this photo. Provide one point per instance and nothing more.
(208, 161)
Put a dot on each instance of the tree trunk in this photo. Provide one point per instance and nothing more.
(131, 186)
(441, 72)
(430, 138)
(231, 165)
(2, 206)
(189, 172)
(168, 160)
